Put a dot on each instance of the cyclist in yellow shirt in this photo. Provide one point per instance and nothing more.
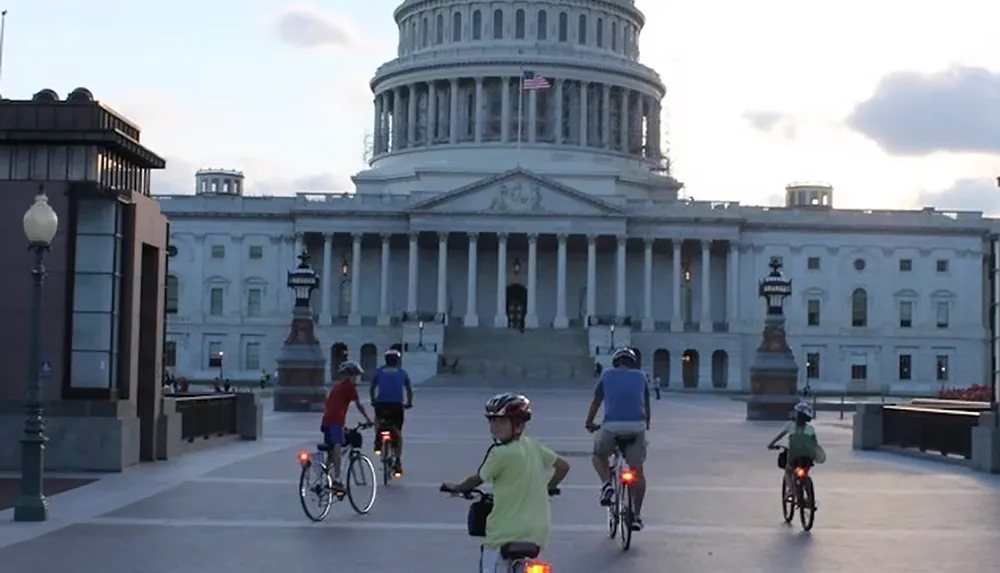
(523, 471)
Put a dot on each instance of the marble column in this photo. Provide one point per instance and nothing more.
(397, 119)
(677, 317)
(354, 319)
(300, 247)
(584, 113)
(591, 277)
(442, 279)
(560, 85)
(411, 115)
(412, 274)
(326, 284)
(453, 115)
(500, 320)
(531, 317)
(432, 113)
(733, 272)
(561, 320)
(377, 131)
(471, 298)
(620, 275)
(504, 113)
(706, 286)
(623, 120)
(480, 102)
(383, 294)
(648, 324)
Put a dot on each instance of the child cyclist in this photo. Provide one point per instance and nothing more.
(335, 408)
(803, 448)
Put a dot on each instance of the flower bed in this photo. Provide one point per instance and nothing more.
(975, 393)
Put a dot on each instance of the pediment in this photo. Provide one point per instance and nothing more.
(517, 192)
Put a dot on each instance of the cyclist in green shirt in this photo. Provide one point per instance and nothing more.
(803, 447)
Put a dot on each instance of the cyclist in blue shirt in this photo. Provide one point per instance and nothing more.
(625, 394)
(390, 386)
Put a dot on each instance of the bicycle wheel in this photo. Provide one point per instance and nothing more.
(360, 473)
(386, 460)
(613, 511)
(316, 484)
(625, 528)
(787, 502)
(807, 503)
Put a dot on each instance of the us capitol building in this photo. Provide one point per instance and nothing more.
(511, 232)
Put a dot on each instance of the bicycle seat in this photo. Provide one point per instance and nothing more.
(324, 447)
(519, 550)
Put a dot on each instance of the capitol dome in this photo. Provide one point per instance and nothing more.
(460, 91)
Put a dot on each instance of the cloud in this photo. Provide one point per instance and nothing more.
(956, 110)
(310, 28)
(772, 122)
(965, 195)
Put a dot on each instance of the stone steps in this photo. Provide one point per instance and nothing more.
(510, 384)
(502, 343)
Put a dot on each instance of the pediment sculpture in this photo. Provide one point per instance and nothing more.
(517, 197)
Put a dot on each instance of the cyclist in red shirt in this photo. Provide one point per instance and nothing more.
(335, 408)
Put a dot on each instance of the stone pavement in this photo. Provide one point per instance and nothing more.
(714, 504)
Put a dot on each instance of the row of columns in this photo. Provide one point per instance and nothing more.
(396, 129)
(471, 318)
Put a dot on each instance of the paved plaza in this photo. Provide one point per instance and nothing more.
(713, 505)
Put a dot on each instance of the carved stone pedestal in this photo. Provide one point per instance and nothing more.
(301, 366)
(773, 375)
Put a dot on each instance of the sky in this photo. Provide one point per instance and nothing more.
(894, 104)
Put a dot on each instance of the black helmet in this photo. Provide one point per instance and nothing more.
(393, 357)
(509, 405)
(350, 368)
(624, 356)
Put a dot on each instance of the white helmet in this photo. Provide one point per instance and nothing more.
(805, 409)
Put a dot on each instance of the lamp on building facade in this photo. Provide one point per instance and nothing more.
(303, 281)
(516, 266)
(345, 268)
(40, 225)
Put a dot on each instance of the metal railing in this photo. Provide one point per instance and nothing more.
(944, 431)
(206, 415)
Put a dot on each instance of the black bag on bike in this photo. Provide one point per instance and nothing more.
(783, 459)
(353, 439)
(480, 509)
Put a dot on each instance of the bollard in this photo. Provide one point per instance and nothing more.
(842, 397)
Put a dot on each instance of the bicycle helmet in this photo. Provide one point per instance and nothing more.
(804, 409)
(624, 356)
(393, 357)
(350, 368)
(509, 405)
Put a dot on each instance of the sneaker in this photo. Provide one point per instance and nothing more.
(338, 486)
(397, 468)
(607, 494)
(636, 523)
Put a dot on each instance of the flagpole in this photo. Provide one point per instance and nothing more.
(520, 114)
(3, 30)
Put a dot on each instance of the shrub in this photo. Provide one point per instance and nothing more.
(975, 393)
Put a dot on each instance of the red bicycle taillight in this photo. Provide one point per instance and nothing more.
(801, 472)
(538, 567)
(386, 436)
(304, 458)
(628, 476)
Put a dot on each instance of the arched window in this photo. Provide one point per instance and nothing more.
(414, 38)
(543, 25)
(581, 31)
(423, 33)
(498, 24)
(859, 308)
(519, 24)
(600, 32)
(439, 29)
(477, 25)
(563, 27)
(172, 295)
(456, 27)
(614, 36)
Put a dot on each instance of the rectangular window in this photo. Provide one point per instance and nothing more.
(812, 316)
(218, 252)
(170, 353)
(215, 304)
(941, 366)
(256, 252)
(812, 263)
(859, 372)
(905, 367)
(812, 366)
(943, 317)
(905, 265)
(942, 266)
(252, 358)
(905, 313)
(254, 297)
(215, 354)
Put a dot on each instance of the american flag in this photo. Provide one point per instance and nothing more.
(533, 81)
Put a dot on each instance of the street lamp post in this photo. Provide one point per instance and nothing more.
(611, 330)
(40, 226)
(420, 333)
(222, 358)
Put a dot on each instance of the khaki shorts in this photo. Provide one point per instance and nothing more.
(635, 453)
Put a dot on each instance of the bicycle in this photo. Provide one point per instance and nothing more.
(359, 468)
(519, 556)
(803, 496)
(620, 510)
(388, 434)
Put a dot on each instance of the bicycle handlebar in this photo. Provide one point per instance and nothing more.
(778, 447)
(480, 493)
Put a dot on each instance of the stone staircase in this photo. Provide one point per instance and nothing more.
(488, 356)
